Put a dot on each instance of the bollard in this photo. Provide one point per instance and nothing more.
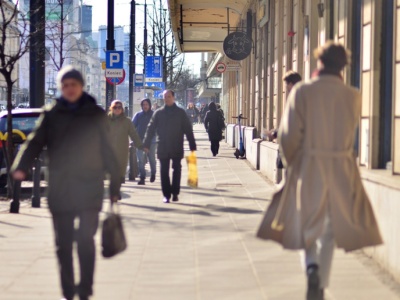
(14, 205)
(133, 165)
(36, 183)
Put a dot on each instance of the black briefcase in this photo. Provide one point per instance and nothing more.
(113, 239)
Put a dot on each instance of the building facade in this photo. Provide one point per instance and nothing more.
(86, 20)
(284, 34)
(11, 46)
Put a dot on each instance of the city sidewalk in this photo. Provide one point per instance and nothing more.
(202, 247)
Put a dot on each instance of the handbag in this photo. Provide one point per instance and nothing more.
(113, 239)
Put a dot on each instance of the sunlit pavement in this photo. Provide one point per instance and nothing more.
(202, 247)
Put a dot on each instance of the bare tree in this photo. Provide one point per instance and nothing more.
(14, 43)
(163, 44)
(60, 33)
(184, 81)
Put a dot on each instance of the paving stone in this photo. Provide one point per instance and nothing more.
(201, 248)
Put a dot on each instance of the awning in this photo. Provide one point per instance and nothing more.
(202, 25)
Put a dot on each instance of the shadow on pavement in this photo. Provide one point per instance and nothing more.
(198, 192)
(202, 212)
(168, 209)
(15, 225)
(225, 209)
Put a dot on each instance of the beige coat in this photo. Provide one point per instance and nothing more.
(317, 135)
(122, 129)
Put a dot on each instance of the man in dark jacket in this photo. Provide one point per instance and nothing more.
(214, 124)
(141, 120)
(171, 124)
(76, 134)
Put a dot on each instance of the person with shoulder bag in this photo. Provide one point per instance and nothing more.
(76, 132)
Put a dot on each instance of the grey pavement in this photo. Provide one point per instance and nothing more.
(202, 247)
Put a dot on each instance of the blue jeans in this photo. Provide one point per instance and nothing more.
(151, 156)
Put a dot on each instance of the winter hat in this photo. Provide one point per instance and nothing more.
(69, 72)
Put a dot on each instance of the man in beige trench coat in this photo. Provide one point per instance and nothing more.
(323, 202)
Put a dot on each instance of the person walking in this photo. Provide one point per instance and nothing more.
(323, 202)
(192, 112)
(141, 120)
(290, 79)
(121, 130)
(171, 125)
(214, 124)
(220, 110)
(203, 111)
(75, 131)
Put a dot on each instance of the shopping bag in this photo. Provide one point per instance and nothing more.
(193, 179)
(113, 239)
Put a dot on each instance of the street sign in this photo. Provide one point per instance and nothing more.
(139, 80)
(221, 67)
(114, 59)
(154, 79)
(154, 67)
(158, 94)
(237, 45)
(114, 73)
(233, 66)
(116, 80)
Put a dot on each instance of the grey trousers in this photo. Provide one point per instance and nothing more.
(321, 253)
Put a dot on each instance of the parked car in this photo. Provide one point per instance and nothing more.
(23, 105)
(24, 120)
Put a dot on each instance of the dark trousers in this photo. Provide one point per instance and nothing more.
(214, 147)
(65, 235)
(167, 188)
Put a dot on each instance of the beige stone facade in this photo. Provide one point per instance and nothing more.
(285, 33)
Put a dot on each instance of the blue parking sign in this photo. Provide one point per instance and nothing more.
(154, 67)
(114, 59)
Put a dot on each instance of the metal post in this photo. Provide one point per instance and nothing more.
(37, 53)
(154, 32)
(36, 183)
(145, 46)
(110, 88)
(14, 206)
(132, 56)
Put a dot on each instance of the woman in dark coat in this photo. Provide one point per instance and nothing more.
(214, 124)
(121, 130)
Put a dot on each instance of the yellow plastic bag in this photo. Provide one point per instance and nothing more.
(193, 179)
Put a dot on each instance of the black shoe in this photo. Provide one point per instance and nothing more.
(313, 283)
(141, 182)
(175, 198)
(166, 200)
(153, 178)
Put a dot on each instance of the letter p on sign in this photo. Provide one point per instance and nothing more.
(114, 59)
